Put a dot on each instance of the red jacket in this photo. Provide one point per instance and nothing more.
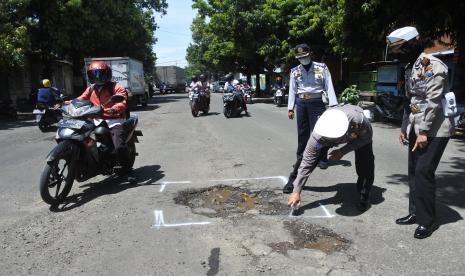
(101, 97)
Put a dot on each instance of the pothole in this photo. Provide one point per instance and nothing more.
(222, 201)
(307, 235)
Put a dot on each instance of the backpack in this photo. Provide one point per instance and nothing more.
(111, 86)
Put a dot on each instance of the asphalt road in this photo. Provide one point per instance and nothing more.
(108, 227)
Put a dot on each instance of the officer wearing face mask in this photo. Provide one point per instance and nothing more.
(310, 90)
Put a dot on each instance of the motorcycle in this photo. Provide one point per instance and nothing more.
(388, 107)
(83, 150)
(232, 104)
(198, 102)
(46, 116)
(279, 96)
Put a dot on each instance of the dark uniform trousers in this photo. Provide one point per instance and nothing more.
(365, 168)
(121, 149)
(308, 112)
(422, 165)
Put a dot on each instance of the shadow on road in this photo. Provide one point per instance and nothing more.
(346, 195)
(111, 185)
(6, 124)
(450, 188)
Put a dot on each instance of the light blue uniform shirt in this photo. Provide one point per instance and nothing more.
(316, 80)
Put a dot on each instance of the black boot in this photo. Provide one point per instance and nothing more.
(364, 203)
(289, 187)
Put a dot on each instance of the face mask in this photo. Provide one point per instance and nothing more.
(305, 60)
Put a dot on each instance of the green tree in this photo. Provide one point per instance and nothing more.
(14, 39)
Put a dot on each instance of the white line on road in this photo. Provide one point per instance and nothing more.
(160, 221)
(327, 214)
(164, 183)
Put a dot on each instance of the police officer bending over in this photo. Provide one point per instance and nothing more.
(339, 125)
(310, 89)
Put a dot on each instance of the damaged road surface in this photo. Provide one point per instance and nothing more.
(209, 201)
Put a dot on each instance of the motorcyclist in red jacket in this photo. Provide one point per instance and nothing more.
(99, 93)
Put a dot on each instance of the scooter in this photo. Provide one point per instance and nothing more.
(198, 102)
(84, 150)
(279, 96)
(232, 104)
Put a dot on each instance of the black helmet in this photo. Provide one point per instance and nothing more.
(203, 77)
(229, 77)
(195, 78)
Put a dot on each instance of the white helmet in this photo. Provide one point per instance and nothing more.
(402, 35)
(333, 123)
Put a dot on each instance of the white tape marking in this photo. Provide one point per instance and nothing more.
(328, 214)
(160, 221)
(164, 183)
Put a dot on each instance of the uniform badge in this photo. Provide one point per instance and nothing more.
(318, 146)
(297, 73)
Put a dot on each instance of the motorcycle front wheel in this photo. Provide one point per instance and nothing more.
(57, 179)
(227, 112)
(279, 101)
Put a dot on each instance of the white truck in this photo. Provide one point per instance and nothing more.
(127, 72)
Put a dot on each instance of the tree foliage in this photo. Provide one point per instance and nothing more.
(247, 36)
(78, 28)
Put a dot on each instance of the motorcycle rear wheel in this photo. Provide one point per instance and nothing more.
(52, 178)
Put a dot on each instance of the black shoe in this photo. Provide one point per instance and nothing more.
(364, 203)
(289, 187)
(425, 231)
(410, 219)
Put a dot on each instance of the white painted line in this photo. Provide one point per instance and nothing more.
(164, 183)
(160, 221)
(328, 214)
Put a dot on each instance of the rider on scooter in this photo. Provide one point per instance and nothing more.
(233, 86)
(114, 114)
(47, 95)
(204, 86)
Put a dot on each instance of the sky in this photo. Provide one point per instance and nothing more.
(174, 34)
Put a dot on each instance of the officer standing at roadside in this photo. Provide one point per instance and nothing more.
(310, 90)
(425, 129)
(340, 125)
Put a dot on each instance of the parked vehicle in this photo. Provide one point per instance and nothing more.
(389, 107)
(83, 149)
(217, 86)
(232, 104)
(129, 73)
(174, 77)
(198, 102)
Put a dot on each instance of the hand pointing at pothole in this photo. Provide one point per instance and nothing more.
(294, 200)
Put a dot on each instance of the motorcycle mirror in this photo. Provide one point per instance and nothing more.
(117, 98)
